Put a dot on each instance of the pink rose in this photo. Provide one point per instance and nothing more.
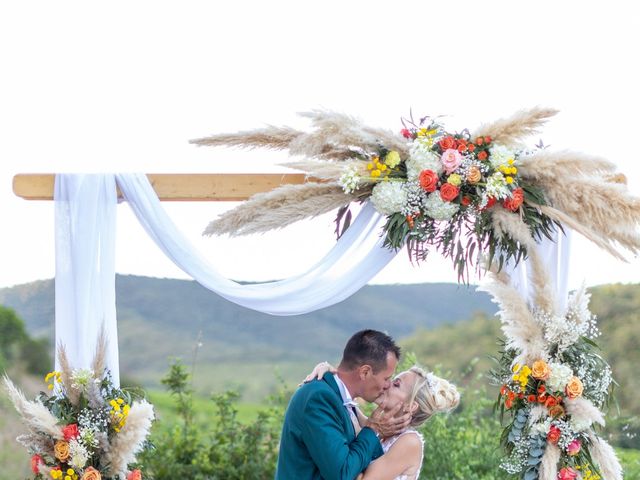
(574, 447)
(451, 159)
(567, 473)
(405, 133)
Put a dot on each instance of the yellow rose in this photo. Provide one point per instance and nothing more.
(454, 179)
(392, 159)
(61, 450)
(91, 474)
(574, 387)
(474, 175)
(540, 370)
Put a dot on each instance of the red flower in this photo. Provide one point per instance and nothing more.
(134, 475)
(550, 402)
(448, 192)
(488, 139)
(466, 201)
(554, 435)
(567, 473)
(405, 133)
(70, 431)
(448, 142)
(515, 201)
(428, 180)
(36, 461)
(508, 403)
(471, 147)
(479, 141)
(490, 203)
(531, 398)
(482, 155)
(503, 389)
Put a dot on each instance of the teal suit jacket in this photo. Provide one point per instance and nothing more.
(318, 439)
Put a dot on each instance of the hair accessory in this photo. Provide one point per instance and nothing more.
(432, 380)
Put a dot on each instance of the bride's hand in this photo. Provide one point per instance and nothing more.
(318, 372)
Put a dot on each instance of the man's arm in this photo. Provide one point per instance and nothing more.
(323, 434)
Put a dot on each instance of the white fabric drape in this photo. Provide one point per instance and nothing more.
(85, 260)
(554, 255)
(85, 211)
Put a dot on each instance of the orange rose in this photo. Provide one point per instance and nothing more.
(474, 175)
(550, 402)
(448, 192)
(61, 450)
(91, 473)
(574, 387)
(428, 180)
(513, 203)
(482, 155)
(540, 370)
(554, 434)
(556, 411)
(135, 475)
(447, 142)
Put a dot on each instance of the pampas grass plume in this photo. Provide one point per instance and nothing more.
(128, 442)
(549, 466)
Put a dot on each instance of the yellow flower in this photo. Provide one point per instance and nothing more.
(513, 170)
(515, 368)
(375, 173)
(369, 166)
(120, 401)
(454, 179)
(70, 471)
(510, 161)
(509, 180)
(50, 386)
(382, 167)
(392, 159)
(67, 477)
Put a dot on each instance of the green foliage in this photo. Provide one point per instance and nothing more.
(464, 444)
(225, 448)
(16, 344)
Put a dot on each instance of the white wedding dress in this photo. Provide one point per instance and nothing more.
(388, 443)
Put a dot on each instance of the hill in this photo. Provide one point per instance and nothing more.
(163, 318)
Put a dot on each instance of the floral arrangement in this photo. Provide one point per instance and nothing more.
(83, 428)
(471, 195)
(554, 385)
(443, 191)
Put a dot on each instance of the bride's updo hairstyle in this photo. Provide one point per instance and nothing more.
(432, 394)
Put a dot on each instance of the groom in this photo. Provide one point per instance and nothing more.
(319, 437)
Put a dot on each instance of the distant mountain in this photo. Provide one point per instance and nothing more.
(163, 318)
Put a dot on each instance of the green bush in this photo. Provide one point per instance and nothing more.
(224, 449)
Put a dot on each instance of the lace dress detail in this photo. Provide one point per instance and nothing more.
(388, 443)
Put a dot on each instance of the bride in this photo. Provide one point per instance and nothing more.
(422, 394)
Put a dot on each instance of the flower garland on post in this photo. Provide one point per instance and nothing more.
(465, 194)
(554, 385)
(84, 428)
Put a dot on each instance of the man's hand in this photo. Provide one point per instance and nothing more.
(390, 423)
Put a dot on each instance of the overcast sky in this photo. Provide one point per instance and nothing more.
(123, 86)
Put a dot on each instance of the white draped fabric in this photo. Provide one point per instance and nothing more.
(83, 256)
(85, 259)
(85, 211)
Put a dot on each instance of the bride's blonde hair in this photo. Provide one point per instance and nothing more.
(432, 394)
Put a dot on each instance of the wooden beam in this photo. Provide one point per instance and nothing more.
(205, 187)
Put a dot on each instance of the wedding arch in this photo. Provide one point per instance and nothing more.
(481, 198)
